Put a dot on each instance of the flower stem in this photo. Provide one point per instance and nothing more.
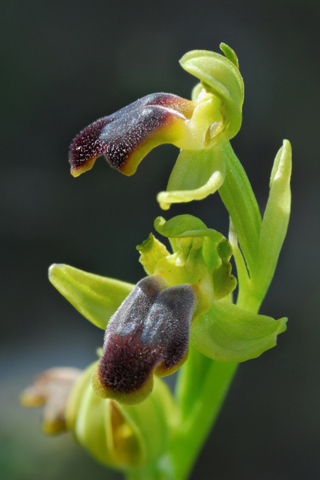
(202, 382)
(147, 472)
(202, 386)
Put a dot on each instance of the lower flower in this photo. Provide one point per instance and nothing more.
(185, 297)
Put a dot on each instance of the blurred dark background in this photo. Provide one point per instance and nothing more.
(66, 63)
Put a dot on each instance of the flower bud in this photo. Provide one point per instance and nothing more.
(117, 435)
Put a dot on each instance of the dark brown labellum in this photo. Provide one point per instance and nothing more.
(148, 334)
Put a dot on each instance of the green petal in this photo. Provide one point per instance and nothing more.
(220, 76)
(188, 226)
(196, 174)
(229, 334)
(94, 296)
(151, 250)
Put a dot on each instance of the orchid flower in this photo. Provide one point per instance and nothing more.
(186, 295)
(199, 127)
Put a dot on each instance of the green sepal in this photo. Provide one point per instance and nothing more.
(196, 174)
(183, 226)
(220, 76)
(229, 334)
(121, 436)
(95, 297)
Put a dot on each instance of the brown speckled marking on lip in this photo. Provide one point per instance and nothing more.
(126, 363)
(126, 136)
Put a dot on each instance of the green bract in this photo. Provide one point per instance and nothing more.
(260, 240)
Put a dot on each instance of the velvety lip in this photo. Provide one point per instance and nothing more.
(127, 135)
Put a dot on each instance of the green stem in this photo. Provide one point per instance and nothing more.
(203, 383)
(147, 472)
(202, 386)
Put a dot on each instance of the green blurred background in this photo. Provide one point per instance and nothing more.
(66, 63)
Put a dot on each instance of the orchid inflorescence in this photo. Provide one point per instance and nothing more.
(182, 313)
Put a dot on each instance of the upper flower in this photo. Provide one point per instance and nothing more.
(196, 126)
